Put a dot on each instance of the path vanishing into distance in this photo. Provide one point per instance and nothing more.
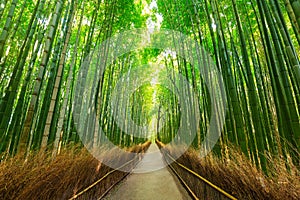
(146, 184)
(86, 86)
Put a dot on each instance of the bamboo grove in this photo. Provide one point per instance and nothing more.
(254, 44)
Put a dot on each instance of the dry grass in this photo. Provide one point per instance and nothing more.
(70, 172)
(239, 177)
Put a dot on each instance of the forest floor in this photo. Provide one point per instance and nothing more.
(149, 180)
(69, 173)
(236, 175)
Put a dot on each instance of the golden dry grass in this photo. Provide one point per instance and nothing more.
(239, 177)
(70, 172)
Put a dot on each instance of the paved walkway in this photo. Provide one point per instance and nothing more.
(146, 184)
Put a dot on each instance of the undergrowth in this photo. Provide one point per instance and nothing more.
(238, 176)
(74, 169)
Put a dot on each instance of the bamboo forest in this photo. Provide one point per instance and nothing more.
(150, 99)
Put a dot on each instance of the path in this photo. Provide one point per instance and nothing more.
(152, 185)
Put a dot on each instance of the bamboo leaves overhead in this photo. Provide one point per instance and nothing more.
(257, 51)
(254, 44)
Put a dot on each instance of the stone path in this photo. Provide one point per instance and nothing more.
(146, 183)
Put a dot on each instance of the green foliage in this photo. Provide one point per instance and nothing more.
(255, 45)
